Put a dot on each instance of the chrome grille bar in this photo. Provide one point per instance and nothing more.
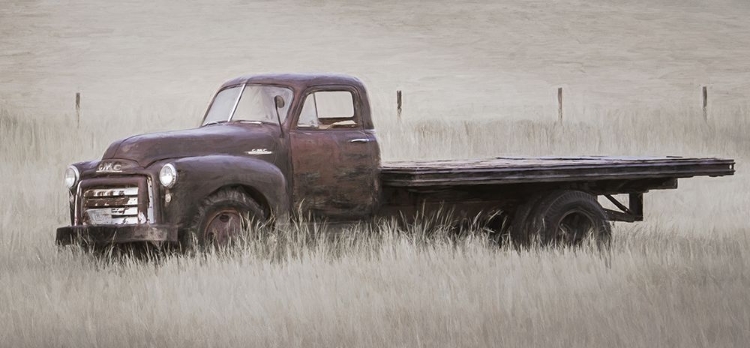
(112, 192)
(112, 206)
(106, 202)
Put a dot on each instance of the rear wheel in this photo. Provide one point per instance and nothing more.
(564, 218)
(569, 218)
(221, 219)
(521, 219)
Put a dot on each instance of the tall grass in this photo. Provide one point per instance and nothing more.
(678, 279)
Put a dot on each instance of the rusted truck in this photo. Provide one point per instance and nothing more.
(275, 148)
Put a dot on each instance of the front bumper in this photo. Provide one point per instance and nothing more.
(116, 234)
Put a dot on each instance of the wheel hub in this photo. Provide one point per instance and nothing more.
(223, 226)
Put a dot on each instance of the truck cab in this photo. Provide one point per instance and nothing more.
(276, 146)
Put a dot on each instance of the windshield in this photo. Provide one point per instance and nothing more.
(256, 104)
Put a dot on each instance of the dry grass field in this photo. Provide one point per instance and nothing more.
(479, 80)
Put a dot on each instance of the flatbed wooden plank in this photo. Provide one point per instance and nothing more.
(508, 170)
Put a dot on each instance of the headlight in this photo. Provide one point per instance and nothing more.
(168, 175)
(71, 177)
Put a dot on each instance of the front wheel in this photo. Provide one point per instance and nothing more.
(221, 219)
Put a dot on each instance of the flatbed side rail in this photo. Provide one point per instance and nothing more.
(509, 173)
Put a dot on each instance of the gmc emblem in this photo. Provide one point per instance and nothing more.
(109, 167)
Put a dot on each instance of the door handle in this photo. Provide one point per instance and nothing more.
(359, 141)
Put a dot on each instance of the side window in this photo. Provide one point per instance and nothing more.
(328, 109)
(308, 117)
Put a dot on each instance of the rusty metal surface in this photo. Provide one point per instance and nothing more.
(334, 175)
(115, 234)
(296, 81)
(201, 176)
(631, 213)
(511, 170)
(229, 138)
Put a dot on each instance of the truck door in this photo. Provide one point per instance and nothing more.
(335, 160)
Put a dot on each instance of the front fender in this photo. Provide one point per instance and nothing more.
(198, 177)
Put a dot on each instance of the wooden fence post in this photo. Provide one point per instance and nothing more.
(398, 103)
(78, 109)
(560, 105)
(705, 103)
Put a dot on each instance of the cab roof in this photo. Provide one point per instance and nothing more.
(297, 81)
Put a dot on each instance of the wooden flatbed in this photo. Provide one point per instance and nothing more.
(519, 170)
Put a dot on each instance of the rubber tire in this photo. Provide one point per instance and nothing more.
(550, 211)
(193, 238)
(520, 223)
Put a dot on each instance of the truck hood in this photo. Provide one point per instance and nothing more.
(229, 138)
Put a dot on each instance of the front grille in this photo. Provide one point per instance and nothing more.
(115, 205)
